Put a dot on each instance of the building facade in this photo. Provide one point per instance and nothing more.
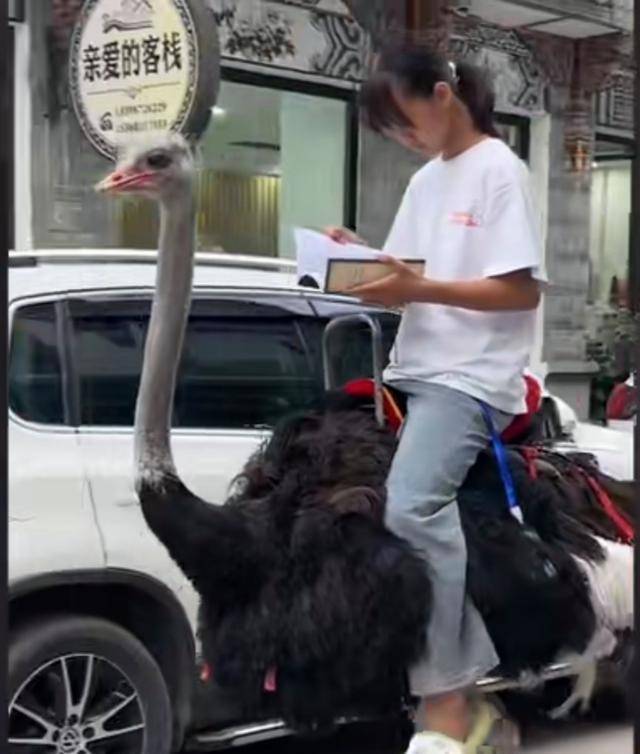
(284, 146)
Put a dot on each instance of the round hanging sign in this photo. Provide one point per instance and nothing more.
(139, 67)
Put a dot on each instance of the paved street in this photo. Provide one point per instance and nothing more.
(559, 739)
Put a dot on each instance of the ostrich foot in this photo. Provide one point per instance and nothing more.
(581, 694)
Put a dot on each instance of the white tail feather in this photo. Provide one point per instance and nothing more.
(611, 584)
(611, 587)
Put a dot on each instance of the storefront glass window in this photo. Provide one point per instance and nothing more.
(515, 132)
(610, 208)
(609, 326)
(271, 159)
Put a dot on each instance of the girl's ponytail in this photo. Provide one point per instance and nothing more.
(473, 89)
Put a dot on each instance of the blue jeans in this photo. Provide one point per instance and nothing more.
(443, 433)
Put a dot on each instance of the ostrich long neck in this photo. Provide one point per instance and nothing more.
(169, 312)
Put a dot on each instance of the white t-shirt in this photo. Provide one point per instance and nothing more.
(469, 217)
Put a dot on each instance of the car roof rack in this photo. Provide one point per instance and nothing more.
(137, 256)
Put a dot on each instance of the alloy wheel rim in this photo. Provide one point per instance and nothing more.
(76, 704)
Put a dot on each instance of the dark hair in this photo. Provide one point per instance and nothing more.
(306, 281)
(416, 71)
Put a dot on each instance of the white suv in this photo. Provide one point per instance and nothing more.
(103, 645)
(94, 597)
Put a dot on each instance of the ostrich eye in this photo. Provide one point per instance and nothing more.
(158, 160)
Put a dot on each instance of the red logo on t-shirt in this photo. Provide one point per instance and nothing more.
(468, 219)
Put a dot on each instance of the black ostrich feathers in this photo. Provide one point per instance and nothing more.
(300, 579)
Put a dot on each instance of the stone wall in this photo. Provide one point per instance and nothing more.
(618, 13)
(518, 78)
(614, 105)
(565, 336)
(316, 37)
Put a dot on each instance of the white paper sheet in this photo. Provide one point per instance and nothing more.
(314, 250)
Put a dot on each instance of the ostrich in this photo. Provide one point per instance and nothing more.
(253, 562)
(303, 589)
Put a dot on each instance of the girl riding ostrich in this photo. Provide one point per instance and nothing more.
(321, 575)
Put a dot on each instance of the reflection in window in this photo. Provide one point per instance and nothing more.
(35, 374)
(108, 357)
(236, 371)
(270, 160)
(242, 373)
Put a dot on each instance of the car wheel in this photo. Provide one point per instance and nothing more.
(83, 685)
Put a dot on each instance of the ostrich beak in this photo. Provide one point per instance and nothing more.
(127, 179)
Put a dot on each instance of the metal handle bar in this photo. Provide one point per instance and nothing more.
(338, 323)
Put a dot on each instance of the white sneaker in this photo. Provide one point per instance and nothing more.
(492, 731)
(434, 743)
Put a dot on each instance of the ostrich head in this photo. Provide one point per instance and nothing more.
(160, 168)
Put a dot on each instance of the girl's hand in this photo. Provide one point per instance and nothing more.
(402, 287)
(344, 236)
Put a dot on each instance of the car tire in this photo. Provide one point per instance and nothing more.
(103, 665)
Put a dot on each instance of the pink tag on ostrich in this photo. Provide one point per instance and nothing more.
(205, 673)
(270, 683)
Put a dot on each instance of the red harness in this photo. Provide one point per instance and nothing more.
(626, 534)
(365, 388)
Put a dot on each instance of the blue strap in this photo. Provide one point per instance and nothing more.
(503, 464)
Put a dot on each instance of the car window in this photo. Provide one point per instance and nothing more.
(35, 368)
(350, 347)
(244, 365)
